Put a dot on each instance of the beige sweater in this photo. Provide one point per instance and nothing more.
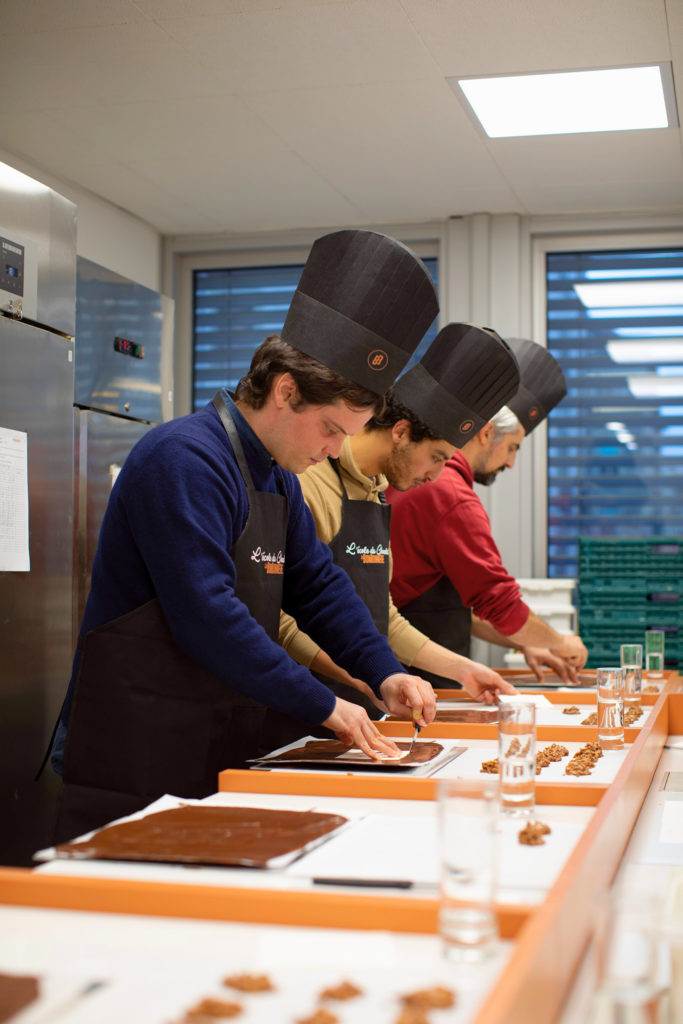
(322, 492)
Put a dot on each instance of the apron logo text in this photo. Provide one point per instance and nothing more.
(274, 563)
(369, 556)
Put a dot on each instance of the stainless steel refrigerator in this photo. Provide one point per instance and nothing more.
(123, 386)
(37, 317)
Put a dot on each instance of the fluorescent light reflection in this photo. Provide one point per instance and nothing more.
(616, 99)
(621, 274)
(634, 311)
(651, 385)
(632, 293)
(646, 350)
(649, 332)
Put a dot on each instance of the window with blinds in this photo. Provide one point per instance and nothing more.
(615, 443)
(234, 310)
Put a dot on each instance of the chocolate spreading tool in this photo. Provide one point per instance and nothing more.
(416, 714)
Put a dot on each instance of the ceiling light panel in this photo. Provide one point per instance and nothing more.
(612, 99)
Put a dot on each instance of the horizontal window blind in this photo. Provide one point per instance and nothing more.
(234, 310)
(615, 443)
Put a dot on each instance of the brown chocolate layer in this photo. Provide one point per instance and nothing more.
(326, 751)
(190, 834)
(16, 992)
(520, 678)
(478, 715)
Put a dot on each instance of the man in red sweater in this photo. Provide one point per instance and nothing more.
(446, 563)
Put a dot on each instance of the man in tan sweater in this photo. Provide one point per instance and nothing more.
(466, 375)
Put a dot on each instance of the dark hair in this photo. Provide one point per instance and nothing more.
(316, 383)
(393, 412)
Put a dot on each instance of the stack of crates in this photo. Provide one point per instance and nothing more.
(628, 586)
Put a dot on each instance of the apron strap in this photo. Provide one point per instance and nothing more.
(234, 438)
(231, 430)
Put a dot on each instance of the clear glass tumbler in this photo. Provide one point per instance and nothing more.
(468, 811)
(654, 653)
(609, 684)
(632, 663)
(517, 757)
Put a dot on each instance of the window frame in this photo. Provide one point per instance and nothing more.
(542, 245)
(287, 249)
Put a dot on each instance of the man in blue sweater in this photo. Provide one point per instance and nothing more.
(205, 538)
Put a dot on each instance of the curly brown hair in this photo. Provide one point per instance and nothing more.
(316, 383)
(393, 412)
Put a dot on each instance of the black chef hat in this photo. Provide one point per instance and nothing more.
(466, 375)
(542, 383)
(363, 304)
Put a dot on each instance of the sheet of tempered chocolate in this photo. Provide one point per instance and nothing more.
(550, 680)
(195, 834)
(334, 753)
(460, 711)
(17, 991)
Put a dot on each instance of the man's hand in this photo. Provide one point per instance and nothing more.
(403, 693)
(571, 650)
(537, 656)
(350, 724)
(482, 682)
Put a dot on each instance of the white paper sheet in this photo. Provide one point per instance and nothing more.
(14, 549)
(537, 699)
(671, 830)
(157, 969)
(405, 850)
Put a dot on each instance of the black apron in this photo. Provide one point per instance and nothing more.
(361, 547)
(440, 614)
(146, 719)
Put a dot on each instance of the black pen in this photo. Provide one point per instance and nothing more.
(372, 883)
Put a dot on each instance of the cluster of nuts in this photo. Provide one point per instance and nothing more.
(249, 982)
(544, 757)
(533, 832)
(591, 720)
(571, 710)
(632, 715)
(223, 1009)
(416, 1005)
(211, 1009)
(490, 767)
(584, 759)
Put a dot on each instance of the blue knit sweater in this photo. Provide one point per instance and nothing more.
(174, 514)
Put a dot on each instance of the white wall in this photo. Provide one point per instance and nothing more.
(105, 234)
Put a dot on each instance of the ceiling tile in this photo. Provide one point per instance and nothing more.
(480, 37)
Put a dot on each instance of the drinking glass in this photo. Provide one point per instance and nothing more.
(654, 653)
(467, 847)
(630, 990)
(609, 684)
(632, 663)
(517, 757)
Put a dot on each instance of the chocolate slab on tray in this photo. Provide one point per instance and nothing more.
(334, 753)
(518, 677)
(190, 834)
(16, 992)
(477, 715)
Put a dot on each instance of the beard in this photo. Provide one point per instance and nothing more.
(397, 469)
(486, 479)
